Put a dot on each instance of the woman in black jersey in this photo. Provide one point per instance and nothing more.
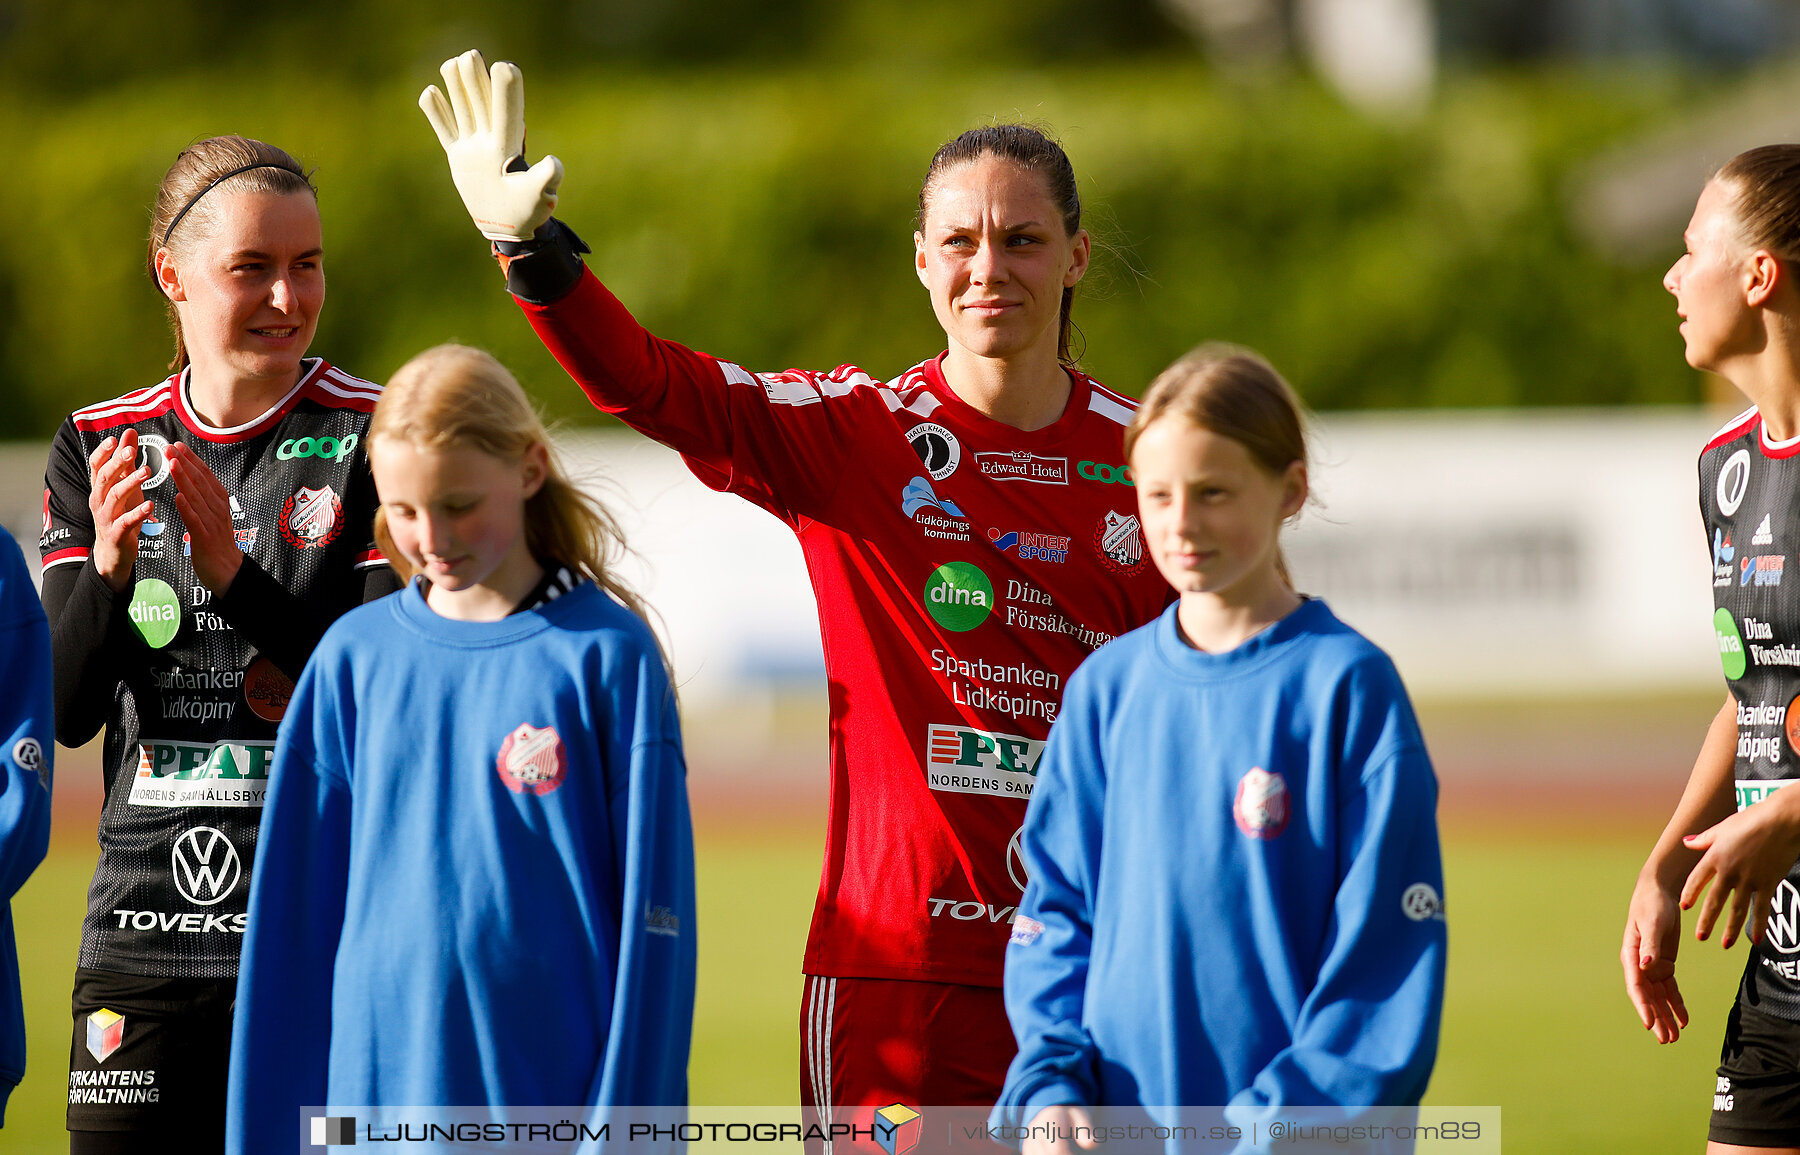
(1734, 828)
(199, 536)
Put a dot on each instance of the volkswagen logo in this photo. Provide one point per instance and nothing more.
(206, 865)
(1015, 860)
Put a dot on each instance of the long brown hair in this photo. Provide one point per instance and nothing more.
(1233, 392)
(452, 396)
(184, 212)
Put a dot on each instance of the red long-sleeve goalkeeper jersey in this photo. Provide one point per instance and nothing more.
(963, 568)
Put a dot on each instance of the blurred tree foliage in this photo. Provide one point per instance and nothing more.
(747, 174)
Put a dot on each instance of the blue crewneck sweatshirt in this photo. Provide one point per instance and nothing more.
(474, 878)
(27, 722)
(1236, 892)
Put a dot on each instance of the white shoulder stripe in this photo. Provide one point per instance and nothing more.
(131, 402)
(1113, 393)
(1734, 424)
(336, 390)
(1107, 407)
(351, 382)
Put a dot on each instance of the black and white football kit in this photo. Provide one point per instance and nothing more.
(190, 688)
(1750, 502)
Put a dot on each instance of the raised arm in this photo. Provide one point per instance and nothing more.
(781, 440)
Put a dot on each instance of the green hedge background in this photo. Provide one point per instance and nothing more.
(758, 204)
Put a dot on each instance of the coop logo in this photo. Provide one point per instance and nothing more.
(1761, 570)
(1120, 541)
(1784, 919)
(154, 612)
(1031, 546)
(327, 448)
(958, 596)
(1263, 805)
(1105, 474)
(533, 760)
(202, 774)
(961, 760)
(153, 454)
(1734, 480)
(1021, 465)
(939, 451)
(105, 1034)
(1731, 643)
(206, 866)
(1724, 553)
(311, 518)
(897, 1128)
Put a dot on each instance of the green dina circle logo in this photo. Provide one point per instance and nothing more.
(958, 596)
(155, 614)
(1731, 644)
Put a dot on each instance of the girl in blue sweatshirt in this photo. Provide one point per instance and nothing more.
(1236, 897)
(474, 883)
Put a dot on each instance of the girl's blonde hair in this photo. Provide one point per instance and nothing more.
(1233, 392)
(455, 397)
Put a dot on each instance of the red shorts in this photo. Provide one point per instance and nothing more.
(869, 1043)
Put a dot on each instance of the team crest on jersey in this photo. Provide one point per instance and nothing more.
(1263, 804)
(533, 759)
(311, 517)
(1120, 541)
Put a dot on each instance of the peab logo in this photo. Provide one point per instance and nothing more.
(154, 613)
(1731, 643)
(958, 596)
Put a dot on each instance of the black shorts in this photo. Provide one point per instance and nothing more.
(1756, 1096)
(149, 1054)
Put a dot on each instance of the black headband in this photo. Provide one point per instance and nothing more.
(195, 199)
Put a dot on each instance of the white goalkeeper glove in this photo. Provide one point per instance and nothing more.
(482, 128)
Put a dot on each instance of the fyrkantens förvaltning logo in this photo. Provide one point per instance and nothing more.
(958, 596)
(105, 1033)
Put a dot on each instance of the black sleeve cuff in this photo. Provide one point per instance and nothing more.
(546, 268)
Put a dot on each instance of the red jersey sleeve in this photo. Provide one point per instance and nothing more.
(781, 440)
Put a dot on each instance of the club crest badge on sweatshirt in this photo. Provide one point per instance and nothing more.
(1263, 804)
(533, 759)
